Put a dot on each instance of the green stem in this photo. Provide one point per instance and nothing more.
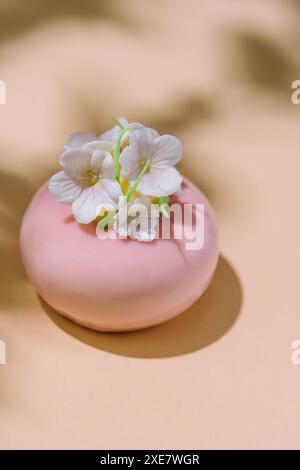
(117, 152)
(118, 123)
(105, 221)
(163, 202)
(135, 184)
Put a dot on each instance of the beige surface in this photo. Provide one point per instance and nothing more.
(217, 74)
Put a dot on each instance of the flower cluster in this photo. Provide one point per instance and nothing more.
(129, 162)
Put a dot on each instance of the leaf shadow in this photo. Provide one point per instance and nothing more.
(15, 194)
(263, 63)
(19, 18)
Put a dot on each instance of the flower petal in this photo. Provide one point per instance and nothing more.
(153, 132)
(125, 140)
(168, 151)
(142, 147)
(75, 162)
(78, 139)
(144, 143)
(160, 182)
(107, 169)
(90, 202)
(102, 162)
(112, 190)
(99, 145)
(63, 188)
(130, 163)
(111, 134)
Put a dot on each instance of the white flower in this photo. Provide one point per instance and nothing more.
(87, 181)
(139, 220)
(78, 139)
(162, 152)
(112, 134)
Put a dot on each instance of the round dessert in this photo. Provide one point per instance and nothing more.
(114, 285)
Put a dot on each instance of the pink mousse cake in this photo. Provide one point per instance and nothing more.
(113, 285)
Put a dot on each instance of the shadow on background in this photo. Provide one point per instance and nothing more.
(263, 63)
(18, 18)
(15, 194)
(206, 321)
(185, 111)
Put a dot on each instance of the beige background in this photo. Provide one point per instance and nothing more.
(217, 74)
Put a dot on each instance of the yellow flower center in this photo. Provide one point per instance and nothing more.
(91, 178)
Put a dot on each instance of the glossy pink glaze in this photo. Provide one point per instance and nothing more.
(113, 285)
